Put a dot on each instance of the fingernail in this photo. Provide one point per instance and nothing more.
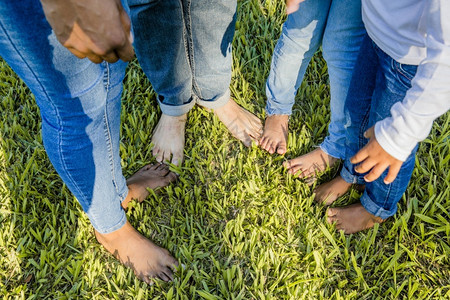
(386, 182)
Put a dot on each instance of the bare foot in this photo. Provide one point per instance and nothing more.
(275, 134)
(352, 218)
(242, 124)
(168, 139)
(310, 164)
(329, 192)
(150, 176)
(147, 260)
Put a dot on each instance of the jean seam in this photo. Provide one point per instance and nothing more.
(61, 158)
(190, 44)
(107, 130)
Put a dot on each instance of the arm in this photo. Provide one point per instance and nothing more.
(96, 29)
(411, 120)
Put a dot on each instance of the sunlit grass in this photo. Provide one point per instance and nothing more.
(243, 228)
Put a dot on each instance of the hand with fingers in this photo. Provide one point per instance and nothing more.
(292, 5)
(97, 29)
(372, 157)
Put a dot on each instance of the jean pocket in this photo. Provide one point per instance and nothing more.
(405, 73)
(141, 2)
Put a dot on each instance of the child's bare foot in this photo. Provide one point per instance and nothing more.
(310, 164)
(150, 176)
(140, 254)
(241, 123)
(168, 139)
(329, 192)
(275, 134)
(352, 218)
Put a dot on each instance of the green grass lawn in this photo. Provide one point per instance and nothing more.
(243, 228)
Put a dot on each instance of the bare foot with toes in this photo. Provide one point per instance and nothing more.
(275, 134)
(352, 218)
(168, 139)
(329, 192)
(241, 123)
(310, 164)
(150, 176)
(132, 249)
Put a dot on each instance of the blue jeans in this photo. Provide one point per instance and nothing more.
(184, 48)
(337, 25)
(79, 104)
(378, 83)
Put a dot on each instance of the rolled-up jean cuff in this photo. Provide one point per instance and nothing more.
(330, 150)
(351, 178)
(216, 102)
(176, 110)
(272, 109)
(122, 219)
(375, 209)
(112, 222)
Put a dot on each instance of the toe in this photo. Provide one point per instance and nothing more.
(263, 143)
(171, 177)
(159, 155)
(281, 148)
(331, 212)
(166, 156)
(168, 273)
(177, 159)
(151, 167)
(163, 276)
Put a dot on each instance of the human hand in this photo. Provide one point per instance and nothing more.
(372, 157)
(292, 5)
(96, 29)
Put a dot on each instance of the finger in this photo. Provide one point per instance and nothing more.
(369, 133)
(392, 173)
(94, 58)
(163, 277)
(126, 51)
(366, 165)
(375, 172)
(110, 57)
(360, 156)
(77, 53)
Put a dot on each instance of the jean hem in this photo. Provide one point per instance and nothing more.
(176, 110)
(113, 228)
(330, 151)
(375, 209)
(216, 102)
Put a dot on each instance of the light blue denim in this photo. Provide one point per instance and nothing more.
(79, 103)
(337, 26)
(184, 48)
(378, 83)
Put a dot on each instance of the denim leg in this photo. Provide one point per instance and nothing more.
(381, 199)
(357, 107)
(300, 38)
(342, 39)
(80, 108)
(161, 47)
(211, 26)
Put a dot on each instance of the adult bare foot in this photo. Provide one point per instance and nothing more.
(329, 192)
(150, 176)
(275, 134)
(147, 260)
(242, 124)
(168, 139)
(310, 164)
(352, 218)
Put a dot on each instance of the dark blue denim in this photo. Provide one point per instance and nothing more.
(184, 48)
(79, 104)
(378, 82)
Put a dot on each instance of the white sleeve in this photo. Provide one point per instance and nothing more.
(429, 96)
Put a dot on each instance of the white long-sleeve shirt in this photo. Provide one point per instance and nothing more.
(415, 32)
